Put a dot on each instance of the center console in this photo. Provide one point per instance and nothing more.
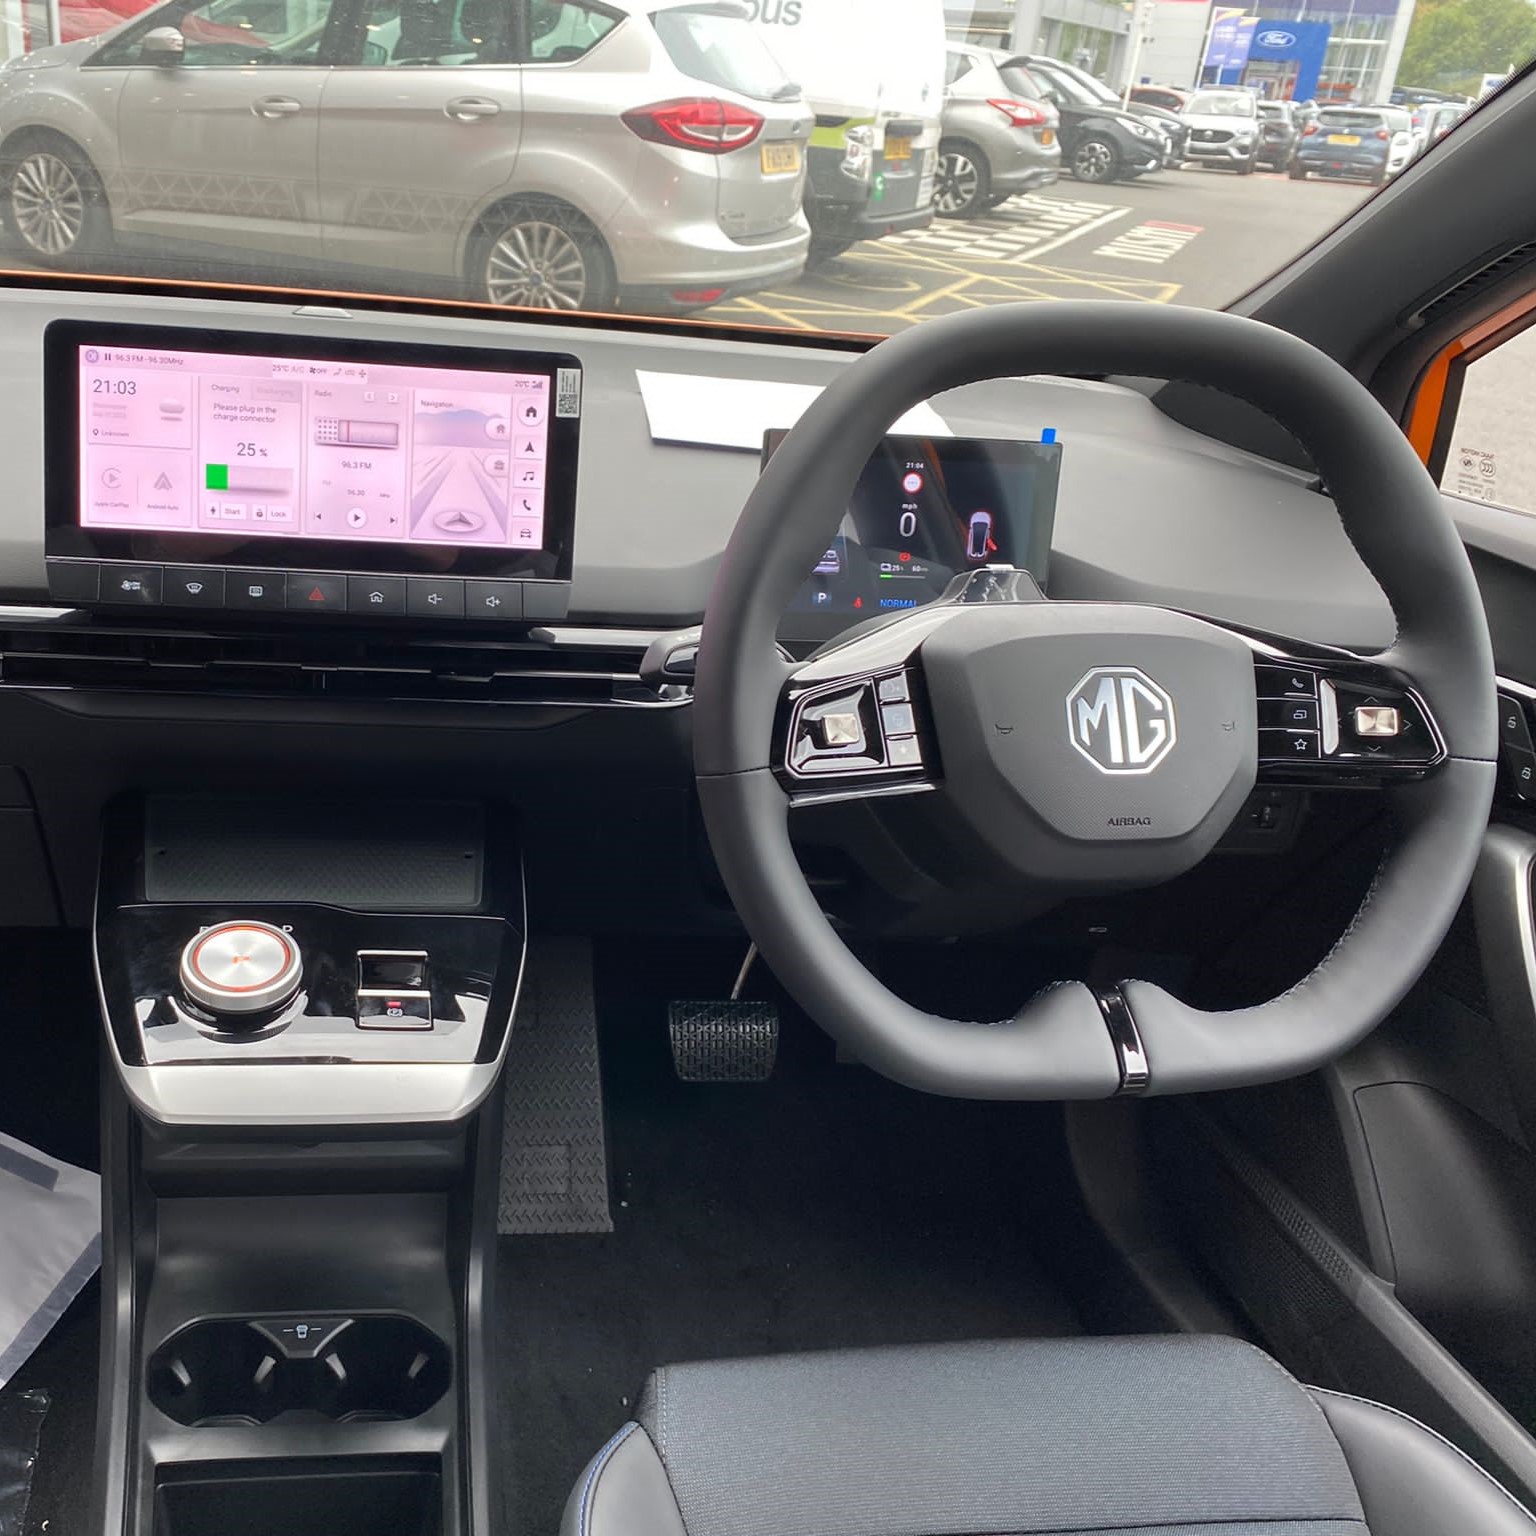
(313, 998)
(307, 1004)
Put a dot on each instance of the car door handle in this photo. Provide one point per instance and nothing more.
(467, 109)
(276, 106)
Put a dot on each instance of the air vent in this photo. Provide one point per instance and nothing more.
(1484, 278)
(591, 671)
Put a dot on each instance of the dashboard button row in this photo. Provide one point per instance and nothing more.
(120, 584)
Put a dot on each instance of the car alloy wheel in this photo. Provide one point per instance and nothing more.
(538, 265)
(959, 189)
(1094, 160)
(48, 203)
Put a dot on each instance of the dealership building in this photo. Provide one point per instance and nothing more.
(1337, 50)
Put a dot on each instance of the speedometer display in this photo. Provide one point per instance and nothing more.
(926, 509)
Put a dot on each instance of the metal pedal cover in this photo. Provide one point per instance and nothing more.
(723, 1042)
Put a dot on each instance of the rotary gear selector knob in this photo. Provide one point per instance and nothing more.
(241, 967)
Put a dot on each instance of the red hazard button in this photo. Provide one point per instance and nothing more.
(316, 592)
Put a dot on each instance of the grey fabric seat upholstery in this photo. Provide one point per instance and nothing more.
(1202, 1436)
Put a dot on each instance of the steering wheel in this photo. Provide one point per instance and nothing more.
(1085, 745)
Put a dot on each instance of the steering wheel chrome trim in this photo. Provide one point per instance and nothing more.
(1058, 1046)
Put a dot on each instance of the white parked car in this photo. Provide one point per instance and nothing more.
(1223, 129)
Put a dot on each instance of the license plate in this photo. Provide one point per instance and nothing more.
(897, 148)
(780, 159)
(1047, 136)
(1343, 138)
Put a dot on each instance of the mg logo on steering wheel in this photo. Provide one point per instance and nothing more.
(1121, 720)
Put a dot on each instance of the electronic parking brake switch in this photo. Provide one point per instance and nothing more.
(393, 990)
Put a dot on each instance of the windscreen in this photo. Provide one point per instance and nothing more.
(723, 50)
(1221, 104)
(763, 167)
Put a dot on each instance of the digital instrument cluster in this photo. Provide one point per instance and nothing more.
(926, 509)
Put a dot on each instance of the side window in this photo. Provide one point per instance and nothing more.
(244, 32)
(235, 33)
(437, 33)
(562, 30)
(955, 65)
(1492, 453)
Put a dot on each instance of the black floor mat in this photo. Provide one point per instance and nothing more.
(827, 1207)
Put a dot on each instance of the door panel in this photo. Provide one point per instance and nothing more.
(418, 132)
(223, 147)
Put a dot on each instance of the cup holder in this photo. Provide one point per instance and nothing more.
(251, 1370)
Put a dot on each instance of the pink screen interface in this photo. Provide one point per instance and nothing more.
(213, 442)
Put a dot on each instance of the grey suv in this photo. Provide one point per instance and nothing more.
(560, 154)
(998, 138)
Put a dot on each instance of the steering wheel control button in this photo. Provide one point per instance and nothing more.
(1376, 720)
(434, 597)
(1380, 725)
(376, 594)
(240, 968)
(1289, 714)
(316, 592)
(496, 600)
(838, 731)
(1514, 729)
(265, 590)
(1280, 682)
(1522, 772)
(1289, 746)
(136, 585)
(855, 728)
(194, 587)
(394, 1008)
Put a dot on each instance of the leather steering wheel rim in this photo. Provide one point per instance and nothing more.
(1060, 1045)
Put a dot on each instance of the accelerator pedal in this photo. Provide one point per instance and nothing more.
(729, 1041)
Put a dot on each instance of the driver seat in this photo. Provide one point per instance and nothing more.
(1155, 1436)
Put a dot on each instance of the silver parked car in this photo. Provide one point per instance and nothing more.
(998, 138)
(563, 154)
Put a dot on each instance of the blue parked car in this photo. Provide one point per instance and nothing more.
(1364, 143)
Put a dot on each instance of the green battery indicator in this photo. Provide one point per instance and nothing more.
(217, 477)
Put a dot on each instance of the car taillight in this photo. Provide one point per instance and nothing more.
(1381, 133)
(696, 122)
(1311, 128)
(1020, 114)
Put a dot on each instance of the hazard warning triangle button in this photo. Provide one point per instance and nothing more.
(316, 592)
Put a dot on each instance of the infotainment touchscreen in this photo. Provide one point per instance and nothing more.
(925, 509)
(255, 450)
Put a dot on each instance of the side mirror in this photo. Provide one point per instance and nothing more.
(164, 47)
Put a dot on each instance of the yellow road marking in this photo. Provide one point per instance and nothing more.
(973, 284)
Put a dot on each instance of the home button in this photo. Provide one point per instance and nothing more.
(376, 594)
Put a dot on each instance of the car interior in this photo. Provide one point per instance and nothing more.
(966, 969)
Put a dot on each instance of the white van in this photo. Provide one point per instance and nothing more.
(873, 73)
